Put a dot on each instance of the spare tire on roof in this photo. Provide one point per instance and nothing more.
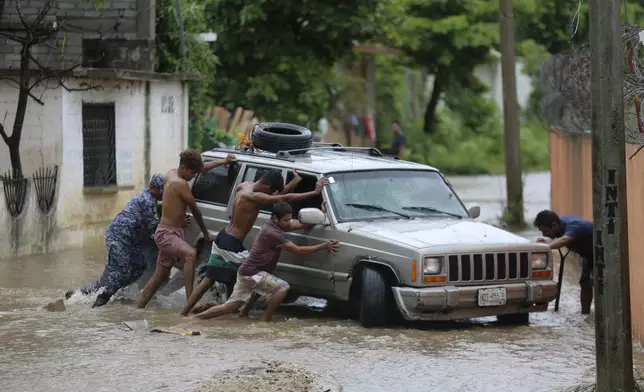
(275, 137)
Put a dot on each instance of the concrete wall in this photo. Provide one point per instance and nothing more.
(491, 75)
(571, 190)
(41, 142)
(79, 217)
(78, 19)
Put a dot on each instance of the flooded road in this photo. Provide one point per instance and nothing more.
(84, 349)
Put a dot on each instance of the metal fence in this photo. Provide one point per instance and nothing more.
(565, 80)
(15, 192)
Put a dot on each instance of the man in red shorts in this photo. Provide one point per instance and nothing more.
(255, 273)
(169, 232)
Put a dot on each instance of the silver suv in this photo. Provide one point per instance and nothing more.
(408, 245)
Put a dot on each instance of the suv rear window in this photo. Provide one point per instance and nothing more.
(216, 185)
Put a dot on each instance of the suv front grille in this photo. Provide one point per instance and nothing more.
(483, 267)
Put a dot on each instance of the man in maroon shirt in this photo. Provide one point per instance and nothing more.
(255, 273)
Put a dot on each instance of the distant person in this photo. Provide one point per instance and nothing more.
(399, 140)
(128, 239)
(249, 197)
(255, 273)
(576, 234)
(169, 235)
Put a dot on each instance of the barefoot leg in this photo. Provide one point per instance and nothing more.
(196, 295)
(219, 310)
(161, 274)
(273, 303)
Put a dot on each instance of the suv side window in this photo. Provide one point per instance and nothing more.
(216, 185)
(254, 173)
(306, 185)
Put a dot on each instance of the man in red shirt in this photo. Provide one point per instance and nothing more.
(255, 273)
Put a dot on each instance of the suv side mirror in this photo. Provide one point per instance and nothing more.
(474, 211)
(312, 216)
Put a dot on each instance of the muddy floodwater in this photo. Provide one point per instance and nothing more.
(84, 349)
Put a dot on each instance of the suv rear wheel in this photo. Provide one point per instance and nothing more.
(375, 299)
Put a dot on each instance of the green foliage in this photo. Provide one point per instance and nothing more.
(391, 96)
(463, 146)
(277, 57)
(200, 59)
(212, 136)
(449, 38)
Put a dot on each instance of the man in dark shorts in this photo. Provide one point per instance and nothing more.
(248, 199)
(575, 234)
(255, 273)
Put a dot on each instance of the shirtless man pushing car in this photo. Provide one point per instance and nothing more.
(249, 197)
(169, 233)
(255, 276)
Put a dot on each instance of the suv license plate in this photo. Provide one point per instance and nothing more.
(494, 296)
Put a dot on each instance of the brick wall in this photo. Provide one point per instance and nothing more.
(79, 19)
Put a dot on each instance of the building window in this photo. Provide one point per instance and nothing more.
(216, 185)
(99, 144)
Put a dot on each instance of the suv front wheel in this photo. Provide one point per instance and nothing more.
(376, 298)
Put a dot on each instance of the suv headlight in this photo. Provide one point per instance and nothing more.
(432, 265)
(539, 260)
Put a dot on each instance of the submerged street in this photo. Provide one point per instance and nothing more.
(83, 349)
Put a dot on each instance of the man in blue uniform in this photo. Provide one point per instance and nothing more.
(129, 241)
(575, 234)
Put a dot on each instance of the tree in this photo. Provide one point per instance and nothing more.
(277, 58)
(200, 59)
(449, 38)
(28, 35)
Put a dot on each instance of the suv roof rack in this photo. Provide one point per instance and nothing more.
(263, 154)
(288, 155)
(335, 147)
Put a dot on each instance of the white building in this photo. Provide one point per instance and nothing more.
(491, 75)
(106, 144)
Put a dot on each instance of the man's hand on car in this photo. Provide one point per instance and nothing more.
(186, 220)
(541, 240)
(332, 246)
(296, 176)
(320, 184)
(230, 158)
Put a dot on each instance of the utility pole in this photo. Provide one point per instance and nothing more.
(611, 270)
(514, 185)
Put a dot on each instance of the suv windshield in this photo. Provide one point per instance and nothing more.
(401, 194)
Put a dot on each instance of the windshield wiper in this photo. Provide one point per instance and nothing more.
(431, 209)
(373, 207)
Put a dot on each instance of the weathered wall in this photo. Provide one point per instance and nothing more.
(79, 218)
(336, 134)
(79, 19)
(570, 165)
(169, 128)
(40, 146)
(41, 141)
(571, 175)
